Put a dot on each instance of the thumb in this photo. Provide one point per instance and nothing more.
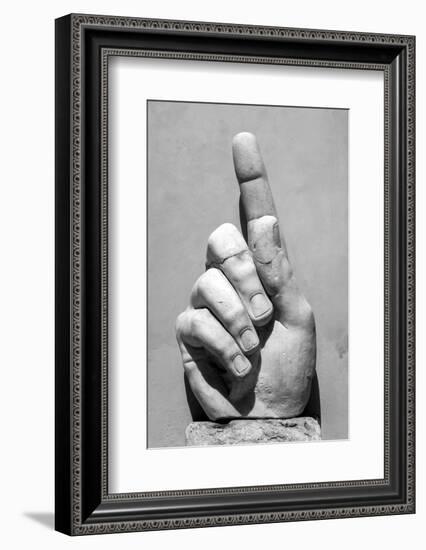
(268, 254)
(275, 272)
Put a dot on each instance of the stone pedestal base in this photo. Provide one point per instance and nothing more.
(239, 432)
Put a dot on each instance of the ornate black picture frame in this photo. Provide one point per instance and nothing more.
(83, 45)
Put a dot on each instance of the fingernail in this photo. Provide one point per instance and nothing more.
(259, 305)
(240, 364)
(249, 339)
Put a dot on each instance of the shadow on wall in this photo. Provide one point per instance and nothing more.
(47, 519)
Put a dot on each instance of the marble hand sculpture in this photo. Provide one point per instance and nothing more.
(247, 338)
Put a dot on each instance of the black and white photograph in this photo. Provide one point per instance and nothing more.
(247, 286)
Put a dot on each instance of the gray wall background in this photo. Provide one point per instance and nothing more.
(192, 189)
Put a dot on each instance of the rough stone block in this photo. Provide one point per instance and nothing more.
(238, 432)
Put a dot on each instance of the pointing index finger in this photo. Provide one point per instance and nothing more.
(251, 174)
(263, 234)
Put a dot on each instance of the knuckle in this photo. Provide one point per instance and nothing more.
(196, 326)
(180, 322)
(207, 280)
(241, 268)
(235, 316)
(198, 322)
(216, 237)
(225, 241)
